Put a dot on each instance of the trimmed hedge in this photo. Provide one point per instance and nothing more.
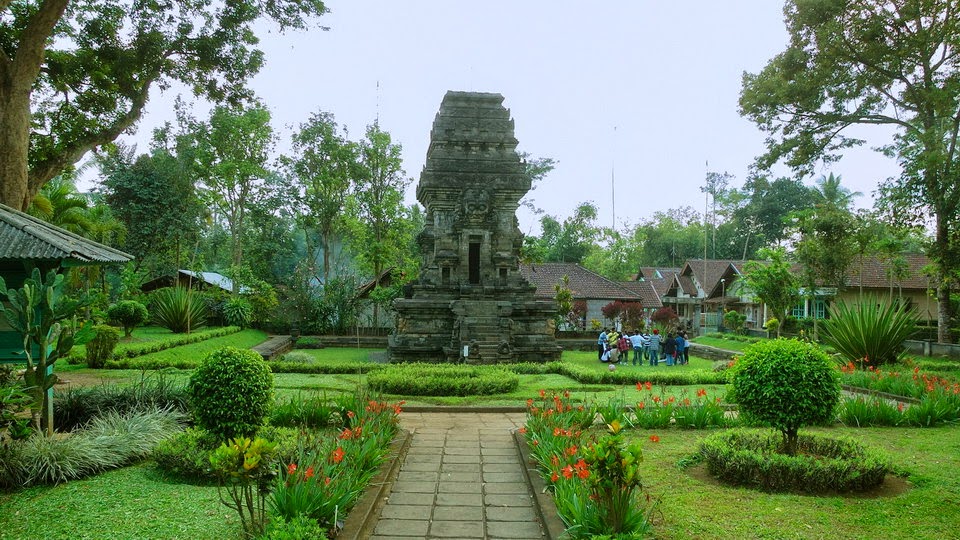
(443, 380)
(822, 464)
(125, 352)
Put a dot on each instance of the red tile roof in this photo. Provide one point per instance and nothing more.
(650, 297)
(584, 284)
(875, 273)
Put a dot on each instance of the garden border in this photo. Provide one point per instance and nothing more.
(363, 517)
(546, 508)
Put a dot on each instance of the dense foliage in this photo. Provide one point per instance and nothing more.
(443, 380)
(788, 384)
(871, 332)
(231, 392)
(129, 314)
(178, 309)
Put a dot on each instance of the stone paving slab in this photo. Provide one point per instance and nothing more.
(461, 478)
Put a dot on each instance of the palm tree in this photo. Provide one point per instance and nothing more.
(59, 203)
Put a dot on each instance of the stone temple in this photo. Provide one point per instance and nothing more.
(470, 296)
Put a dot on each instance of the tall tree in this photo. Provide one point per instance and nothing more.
(383, 229)
(571, 240)
(226, 156)
(827, 238)
(75, 74)
(872, 62)
(156, 201)
(671, 237)
(773, 282)
(323, 163)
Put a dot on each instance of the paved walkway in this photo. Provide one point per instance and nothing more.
(462, 478)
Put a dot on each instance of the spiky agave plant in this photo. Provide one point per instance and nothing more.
(179, 310)
(869, 332)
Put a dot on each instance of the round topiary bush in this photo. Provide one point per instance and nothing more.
(443, 380)
(231, 392)
(823, 464)
(787, 384)
(129, 314)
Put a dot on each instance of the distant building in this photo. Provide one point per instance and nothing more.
(194, 280)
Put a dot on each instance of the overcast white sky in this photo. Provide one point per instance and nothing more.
(647, 89)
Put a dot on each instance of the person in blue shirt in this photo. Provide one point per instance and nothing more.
(601, 344)
(653, 347)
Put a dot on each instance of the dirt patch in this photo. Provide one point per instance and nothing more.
(68, 380)
(892, 486)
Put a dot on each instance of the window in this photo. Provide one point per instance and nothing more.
(820, 310)
(445, 275)
(799, 310)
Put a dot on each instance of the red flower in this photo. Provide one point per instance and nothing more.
(639, 386)
(326, 481)
(554, 477)
(567, 472)
(530, 402)
(572, 450)
(555, 459)
(346, 434)
(543, 392)
(536, 442)
(648, 385)
(309, 473)
(900, 406)
(557, 431)
(350, 414)
(686, 401)
(656, 399)
(654, 438)
(523, 430)
(337, 455)
(701, 392)
(291, 468)
(641, 404)
(583, 473)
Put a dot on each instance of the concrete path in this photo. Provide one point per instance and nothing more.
(461, 478)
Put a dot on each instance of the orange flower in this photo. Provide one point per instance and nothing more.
(567, 472)
(523, 430)
(326, 481)
(530, 402)
(346, 434)
(543, 393)
(337, 455)
(555, 459)
(291, 468)
(648, 385)
(639, 386)
(350, 414)
(641, 404)
(701, 392)
(654, 438)
(583, 473)
(554, 477)
(572, 450)
(309, 473)
(900, 406)
(656, 399)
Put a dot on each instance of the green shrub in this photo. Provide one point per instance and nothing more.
(76, 406)
(100, 347)
(231, 392)
(238, 311)
(309, 342)
(298, 357)
(186, 455)
(129, 314)
(107, 442)
(870, 332)
(298, 411)
(788, 384)
(443, 380)
(298, 528)
(15, 403)
(823, 464)
(178, 309)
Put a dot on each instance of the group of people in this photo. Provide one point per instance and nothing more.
(614, 347)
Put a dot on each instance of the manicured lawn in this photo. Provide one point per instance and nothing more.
(133, 502)
(720, 343)
(194, 352)
(692, 505)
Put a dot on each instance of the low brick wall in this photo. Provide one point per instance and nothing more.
(274, 347)
(932, 348)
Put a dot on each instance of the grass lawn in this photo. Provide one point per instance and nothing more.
(693, 505)
(243, 339)
(133, 502)
(720, 343)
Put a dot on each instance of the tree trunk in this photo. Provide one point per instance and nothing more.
(14, 137)
(790, 441)
(944, 311)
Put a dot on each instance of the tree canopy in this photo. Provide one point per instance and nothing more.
(872, 62)
(75, 74)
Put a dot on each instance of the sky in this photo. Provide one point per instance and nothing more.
(635, 100)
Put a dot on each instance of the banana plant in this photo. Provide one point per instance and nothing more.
(43, 315)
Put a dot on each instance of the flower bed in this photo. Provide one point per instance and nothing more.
(443, 380)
